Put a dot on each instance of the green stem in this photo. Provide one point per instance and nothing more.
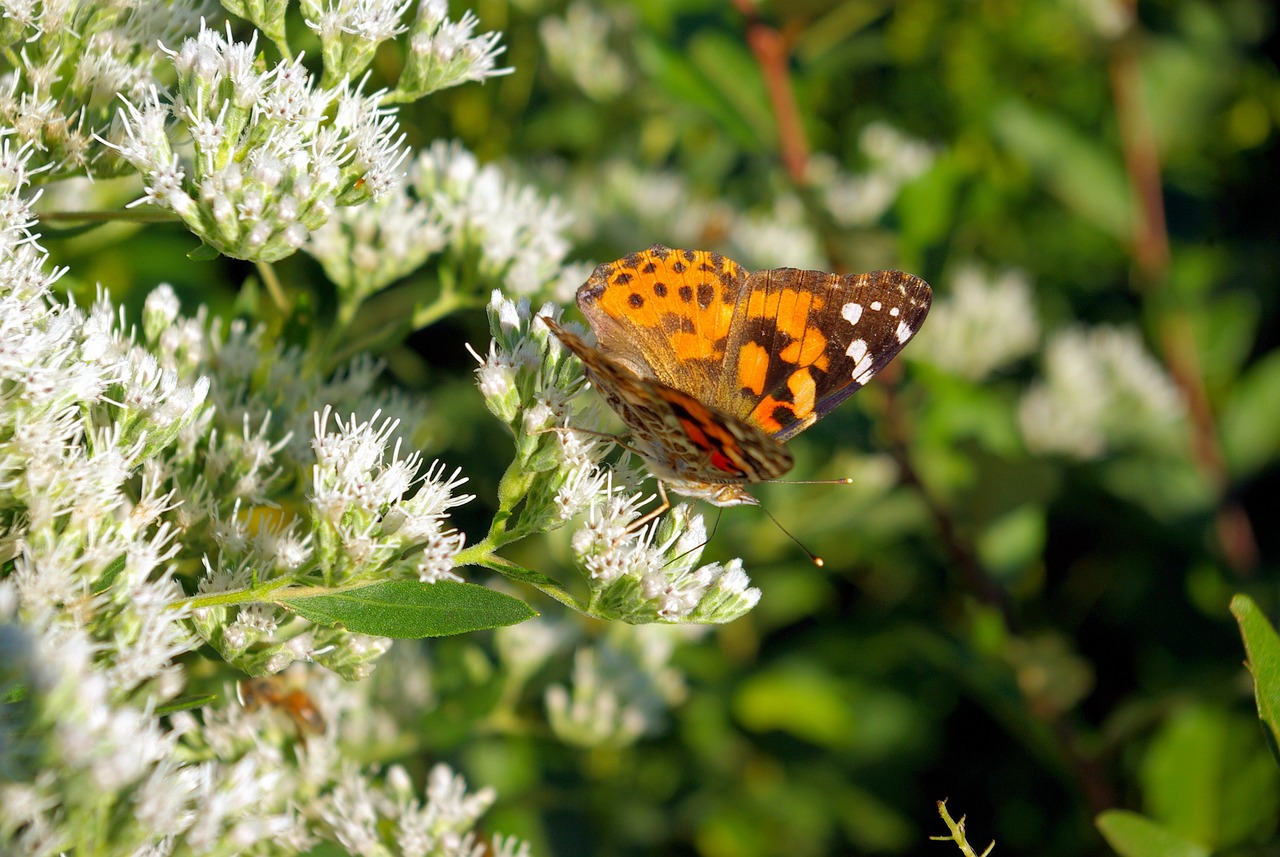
(375, 341)
(131, 215)
(546, 585)
(248, 595)
(482, 554)
(272, 283)
(283, 47)
(957, 833)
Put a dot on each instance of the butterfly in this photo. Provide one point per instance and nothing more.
(712, 367)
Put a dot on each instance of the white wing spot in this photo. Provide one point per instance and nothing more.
(895, 312)
(858, 351)
(852, 312)
(904, 331)
(876, 305)
(861, 380)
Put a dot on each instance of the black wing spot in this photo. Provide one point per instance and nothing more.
(686, 294)
(622, 279)
(660, 289)
(783, 415)
(706, 294)
(635, 300)
(679, 267)
(650, 267)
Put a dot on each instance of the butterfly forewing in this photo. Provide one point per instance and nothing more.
(667, 311)
(804, 341)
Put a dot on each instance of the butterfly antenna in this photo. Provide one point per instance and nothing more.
(704, 543)
(817, 560)
(847, 480)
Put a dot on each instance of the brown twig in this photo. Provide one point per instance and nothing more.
(964, 558)
(1151, 254)
(772, 53)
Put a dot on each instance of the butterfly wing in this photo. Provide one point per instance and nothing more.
(683, 439)
(666, 313)
(804, 341)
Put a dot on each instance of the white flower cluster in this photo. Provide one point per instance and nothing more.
(366, 521)
(75, 62)
(365, 248)
(517, 235)
(233, 463)
(237, 780)
(112, 468)
(273, 154)
(1102, 391)
(862, 198)
(620, 688)
(577, 48)
(983, 324)
(777, 238)
(529, 381)
(638, 573)
(650, 573)
(618, 198)
(444, 53)
(83, 412)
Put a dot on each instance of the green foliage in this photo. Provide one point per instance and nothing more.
(1027, 600)
(1132, 835)
(1263, 647)
(410, 611)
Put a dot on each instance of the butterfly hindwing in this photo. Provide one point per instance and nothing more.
(680, 436)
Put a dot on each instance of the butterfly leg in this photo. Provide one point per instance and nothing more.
(663, 506)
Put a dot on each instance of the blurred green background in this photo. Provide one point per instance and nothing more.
(1029, 622)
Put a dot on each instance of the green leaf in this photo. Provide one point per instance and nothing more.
(1205, 776)
(1084, 176)
(1262, 646)
(683, 81)
(1250, 430)
(186, 703)
(103, 583)
(1134, 835)
(406, 610)
(926, 206)
(733, 71)
(1014, 541)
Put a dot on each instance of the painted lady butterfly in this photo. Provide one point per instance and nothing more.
(713, 367)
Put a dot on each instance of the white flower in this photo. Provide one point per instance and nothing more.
(1102, 390)
(519, 235)
(594, 713)
(444, 53)
(984, 324)
(862, 198)
(577, 47)
(435, 562)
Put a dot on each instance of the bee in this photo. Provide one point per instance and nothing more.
(274, 691)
